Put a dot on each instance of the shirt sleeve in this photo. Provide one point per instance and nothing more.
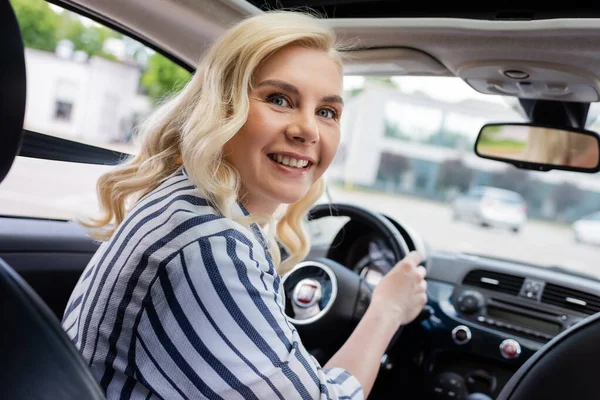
(215, 327)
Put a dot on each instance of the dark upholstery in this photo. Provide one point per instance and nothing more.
(38, 359)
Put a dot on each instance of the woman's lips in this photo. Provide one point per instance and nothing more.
(290, 171)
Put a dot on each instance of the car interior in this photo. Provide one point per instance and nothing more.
(493, 328)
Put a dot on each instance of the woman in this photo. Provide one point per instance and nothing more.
(184, 299)
(560, 147)
(546, 146)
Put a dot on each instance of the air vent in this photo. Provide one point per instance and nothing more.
(496, 281)
(572, 299)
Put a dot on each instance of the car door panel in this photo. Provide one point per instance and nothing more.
(50, 255)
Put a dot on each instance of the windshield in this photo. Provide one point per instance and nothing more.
(407, 151)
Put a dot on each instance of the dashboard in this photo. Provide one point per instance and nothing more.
(486, 317)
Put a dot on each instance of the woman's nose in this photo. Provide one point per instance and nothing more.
(303, 129)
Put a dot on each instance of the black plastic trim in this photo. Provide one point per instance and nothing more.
(13, 81)
(43, 236)
(38, 145)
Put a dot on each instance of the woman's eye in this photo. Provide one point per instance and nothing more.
(278, 100)
(326, 113)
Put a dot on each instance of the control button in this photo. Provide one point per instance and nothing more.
(510, 348)
(532, 289)
(470, 301)
(461, 334)
(449, 385)
(481, 319)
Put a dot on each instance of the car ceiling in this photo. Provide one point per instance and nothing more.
(558, 50)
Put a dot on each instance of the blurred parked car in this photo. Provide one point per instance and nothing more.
(587, 229)
(490, 206)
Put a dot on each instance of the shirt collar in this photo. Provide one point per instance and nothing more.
(239, 211)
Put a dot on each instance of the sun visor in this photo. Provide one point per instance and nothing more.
(531, 80)
(396, 61)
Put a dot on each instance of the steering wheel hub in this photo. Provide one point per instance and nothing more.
(312, 288)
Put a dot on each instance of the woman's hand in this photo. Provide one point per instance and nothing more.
(401, 293)
(397, 300)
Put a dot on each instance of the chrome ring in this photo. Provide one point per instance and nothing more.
(467, 331)
(334, 289)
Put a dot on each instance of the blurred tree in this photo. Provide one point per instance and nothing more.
(520, 181)
(163, 77)
(454, 173)
(513, 179)
(39, 24)
(393, 165)
(42, 29)
(566, 195)
(89, 39)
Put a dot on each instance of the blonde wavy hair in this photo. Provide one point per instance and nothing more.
(554, 146)
(191, 128)
(546, 146)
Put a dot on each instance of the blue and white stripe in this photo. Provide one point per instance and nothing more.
(183, 303)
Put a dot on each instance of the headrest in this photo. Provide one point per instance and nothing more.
(12, 88)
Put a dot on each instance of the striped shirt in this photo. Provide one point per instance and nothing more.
(183, 303)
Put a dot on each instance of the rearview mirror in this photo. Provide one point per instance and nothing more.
(540, 147)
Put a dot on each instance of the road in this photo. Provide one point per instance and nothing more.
(40, 188)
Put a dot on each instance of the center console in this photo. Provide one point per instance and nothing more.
(513, 305)
(496, 321)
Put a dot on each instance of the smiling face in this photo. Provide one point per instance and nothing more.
(293, 128)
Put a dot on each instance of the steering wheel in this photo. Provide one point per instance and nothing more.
(325, 299)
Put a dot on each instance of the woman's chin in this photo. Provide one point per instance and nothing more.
(291, 197)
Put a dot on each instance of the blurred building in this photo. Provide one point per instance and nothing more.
(410, 139)
(92, 100)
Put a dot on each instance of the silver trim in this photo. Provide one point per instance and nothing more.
(461, 327)
(316, 295)
(490, 281)
(516, 345)
(576, 301)
(334, 289)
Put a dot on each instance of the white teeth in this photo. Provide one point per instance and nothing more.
(289, 161)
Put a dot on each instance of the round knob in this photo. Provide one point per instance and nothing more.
(470, 301)
(510, 348)
(461, 334)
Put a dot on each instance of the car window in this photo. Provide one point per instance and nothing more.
(87, 83)
(408, 152)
